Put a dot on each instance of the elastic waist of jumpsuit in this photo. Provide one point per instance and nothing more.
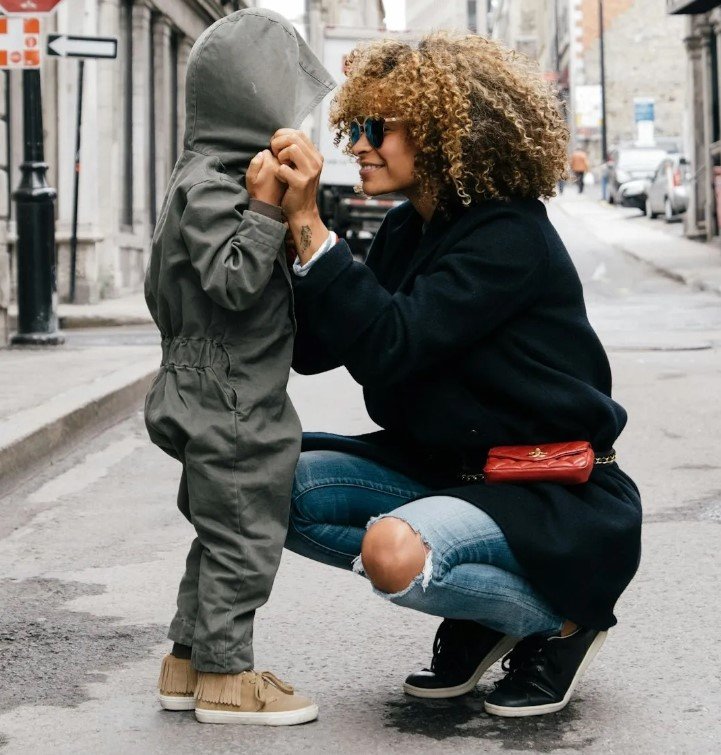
(193, 352)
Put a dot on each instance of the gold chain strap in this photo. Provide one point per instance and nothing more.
(471, 477)
(608, 459)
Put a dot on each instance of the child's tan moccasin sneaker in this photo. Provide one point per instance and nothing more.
(177, 683)
(251, 697)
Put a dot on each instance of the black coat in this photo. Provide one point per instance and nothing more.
(471, 335)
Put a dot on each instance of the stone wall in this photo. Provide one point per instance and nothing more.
(644, 57)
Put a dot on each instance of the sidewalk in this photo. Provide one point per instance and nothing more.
(51, 398)
(660, 245)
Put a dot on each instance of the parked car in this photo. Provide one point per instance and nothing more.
(630, 163)
(633, 193)
(667, 193)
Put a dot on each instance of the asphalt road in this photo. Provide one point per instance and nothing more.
(93, 548)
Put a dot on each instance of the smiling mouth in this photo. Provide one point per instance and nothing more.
(370, 168)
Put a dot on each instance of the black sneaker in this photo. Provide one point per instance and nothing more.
(542, 673)
(462, 652)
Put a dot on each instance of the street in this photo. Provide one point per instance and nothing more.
(92, 548)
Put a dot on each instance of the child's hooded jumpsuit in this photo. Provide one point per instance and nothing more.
(219, 290)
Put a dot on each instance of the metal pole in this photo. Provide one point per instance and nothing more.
(35, 218)
(604, 141)
(74, 236)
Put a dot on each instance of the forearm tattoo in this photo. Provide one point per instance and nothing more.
(305, 238)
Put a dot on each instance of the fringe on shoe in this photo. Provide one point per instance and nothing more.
(177, 676)
(219, 688)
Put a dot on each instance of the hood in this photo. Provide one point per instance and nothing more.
(249, 74)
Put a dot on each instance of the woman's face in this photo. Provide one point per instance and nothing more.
(390, 167)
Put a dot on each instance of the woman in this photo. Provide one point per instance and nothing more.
(467, 330)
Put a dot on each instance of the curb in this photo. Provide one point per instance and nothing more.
(71, 322)
(686, 277)
(74, 321)
(46, 433)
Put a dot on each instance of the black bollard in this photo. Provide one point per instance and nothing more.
(35, 219)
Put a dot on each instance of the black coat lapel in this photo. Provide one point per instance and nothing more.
(438, 229)
(395, 246)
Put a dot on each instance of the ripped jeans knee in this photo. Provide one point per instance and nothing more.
(422, 579)
(469, 570)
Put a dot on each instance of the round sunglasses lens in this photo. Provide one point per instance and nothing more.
(374, 131)
(355, 132)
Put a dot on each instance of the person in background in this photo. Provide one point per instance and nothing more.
(579, 166)
(605, 170)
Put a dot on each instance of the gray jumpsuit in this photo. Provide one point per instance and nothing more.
(219, 290)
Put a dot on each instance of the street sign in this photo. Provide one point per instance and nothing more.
(643, 109)
(65, 46)
(19, 42)
(28, 7)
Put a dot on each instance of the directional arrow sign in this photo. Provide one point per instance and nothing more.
(64, 46)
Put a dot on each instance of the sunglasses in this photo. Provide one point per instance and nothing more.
(372, 128)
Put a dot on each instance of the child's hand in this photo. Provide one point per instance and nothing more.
(260, 180)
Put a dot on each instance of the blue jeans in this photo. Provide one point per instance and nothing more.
(470, 571)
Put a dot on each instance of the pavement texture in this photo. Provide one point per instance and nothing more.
(52, 397)
(92, 548)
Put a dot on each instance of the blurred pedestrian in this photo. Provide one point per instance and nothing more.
(579, 166)
(468, 331)
(218, 287)
(605, 171)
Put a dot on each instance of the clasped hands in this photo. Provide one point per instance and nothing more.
(287, 175)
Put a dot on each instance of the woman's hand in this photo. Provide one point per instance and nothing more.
(300, 168)
(261, 180)
(300, 165)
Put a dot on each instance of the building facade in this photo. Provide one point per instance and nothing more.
(543, 30)
(426, 15)
(352, 14)
(642, 47)
(132, 132)
(701, 21)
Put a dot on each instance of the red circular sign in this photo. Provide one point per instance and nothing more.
(28, 7)
(15, 57)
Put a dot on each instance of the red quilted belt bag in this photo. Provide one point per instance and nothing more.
(562, 463)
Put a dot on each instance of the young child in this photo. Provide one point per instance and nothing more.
(219, 290)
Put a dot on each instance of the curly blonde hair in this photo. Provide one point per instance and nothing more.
(485, 122)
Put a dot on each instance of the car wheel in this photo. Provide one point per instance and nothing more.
(649, 212)
(668, 212)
